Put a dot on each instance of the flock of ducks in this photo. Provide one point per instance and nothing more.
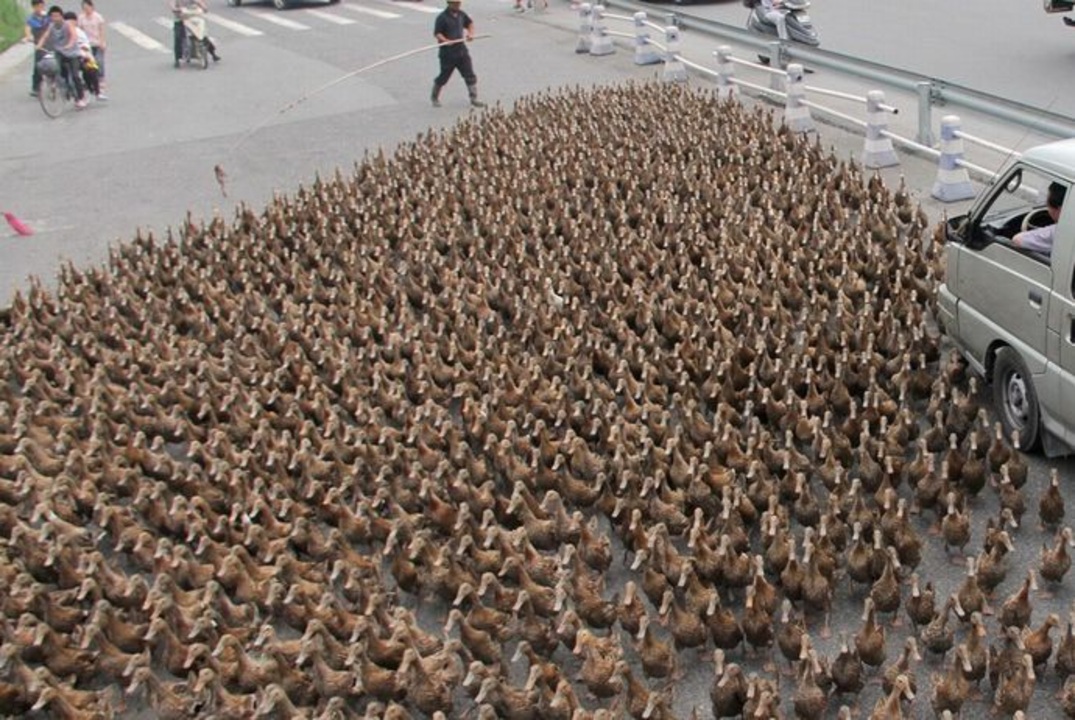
(535, 419)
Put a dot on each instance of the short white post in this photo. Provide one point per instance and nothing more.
(600, 41)
(674, 70)
(953, 181)
(645, 52)
(796, 113)
(726, 88)
(877, 151)
(585, 28)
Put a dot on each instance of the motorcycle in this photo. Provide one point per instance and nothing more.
(1061, 6)
(195, 50)
(799, 25)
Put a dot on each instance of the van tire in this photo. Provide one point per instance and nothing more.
(1015, 399)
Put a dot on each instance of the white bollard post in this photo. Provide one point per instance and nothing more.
(585, 28)
(600, 41)
(725, 73)
(796, 113)
(674, 70)
(645, 52)
(877, 151)
(953, 181)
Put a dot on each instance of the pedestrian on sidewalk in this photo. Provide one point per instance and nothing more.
(453, 29)
(36, 25)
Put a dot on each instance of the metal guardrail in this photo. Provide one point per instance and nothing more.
(930, 91)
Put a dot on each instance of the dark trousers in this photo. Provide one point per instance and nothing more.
(92, 78)
(449, 63)
(179, 32)
(35, 80)
(71, 68)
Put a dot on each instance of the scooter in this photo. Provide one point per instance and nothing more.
(194, 47)
(1061, 6)
(800, 28)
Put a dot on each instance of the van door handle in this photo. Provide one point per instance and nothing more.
(1035, 298)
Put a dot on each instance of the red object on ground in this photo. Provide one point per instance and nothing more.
(18, 225)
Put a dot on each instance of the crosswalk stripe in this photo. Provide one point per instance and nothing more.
(330, 17)
(275, 19)
(137, 36)
(234, 26)
(416, 6)
(383, 14)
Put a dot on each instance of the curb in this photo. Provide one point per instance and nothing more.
(14, 56)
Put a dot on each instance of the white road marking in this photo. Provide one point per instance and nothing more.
(138, 37)
(275, 19)
(417, 6)
(235, 27)
(330, 17)
(383, 14)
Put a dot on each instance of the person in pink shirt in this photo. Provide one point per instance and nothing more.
(93, 24)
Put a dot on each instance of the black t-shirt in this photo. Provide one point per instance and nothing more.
(452, 26)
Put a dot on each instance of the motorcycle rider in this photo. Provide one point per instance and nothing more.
(774, 12)
(179, 8)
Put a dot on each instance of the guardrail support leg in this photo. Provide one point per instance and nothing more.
(674, 71)
(645, 52)
(585, 28)
(877, 151)
(776, 57)
(601, 41)
(796, 114)
(925, 113)
(953, 181)
(725, 73)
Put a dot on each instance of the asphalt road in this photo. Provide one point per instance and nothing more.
(145, 159)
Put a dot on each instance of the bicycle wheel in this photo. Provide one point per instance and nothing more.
(203, 53)
(52, 96)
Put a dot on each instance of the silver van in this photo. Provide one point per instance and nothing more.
(1008, 300)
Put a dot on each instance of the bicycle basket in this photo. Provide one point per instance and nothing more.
(48, 65)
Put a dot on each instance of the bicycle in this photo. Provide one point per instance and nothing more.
(57, 89)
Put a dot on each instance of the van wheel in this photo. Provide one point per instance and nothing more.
(1015, 398)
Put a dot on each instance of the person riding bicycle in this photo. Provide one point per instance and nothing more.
(62, 40)
(188, 15)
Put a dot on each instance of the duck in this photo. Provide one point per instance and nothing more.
(870, 638)
(920, 605)
(1067, 697)
(809, 700)
(790, 634)
(170, 701)
(847, 670)
(1065, 650)
(1056, 561)
(992, 565)
(1016, 690)
(889, 707)
(659, 657)
(955, 526)
(970, 596)
(1017, 608)
(631, 609)
(974, 650)
(950, 690)
(601, 670)
(1037, 643)
(903, 665)
(936, 636)
(885, 592)
(728, 691)
(757, 626)
(481, 645)
(723, 625)
(688, 630)
(1051, 503)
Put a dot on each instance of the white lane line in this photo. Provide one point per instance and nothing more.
(330, 17)
(277, 20)
(138, 37)
(382, 14)
(235, 27)
(417, 6)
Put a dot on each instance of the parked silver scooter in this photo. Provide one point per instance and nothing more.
(800, 28)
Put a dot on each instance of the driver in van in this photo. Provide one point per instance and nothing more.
(1041, 239)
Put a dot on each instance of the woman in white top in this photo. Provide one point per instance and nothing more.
(93, 24)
